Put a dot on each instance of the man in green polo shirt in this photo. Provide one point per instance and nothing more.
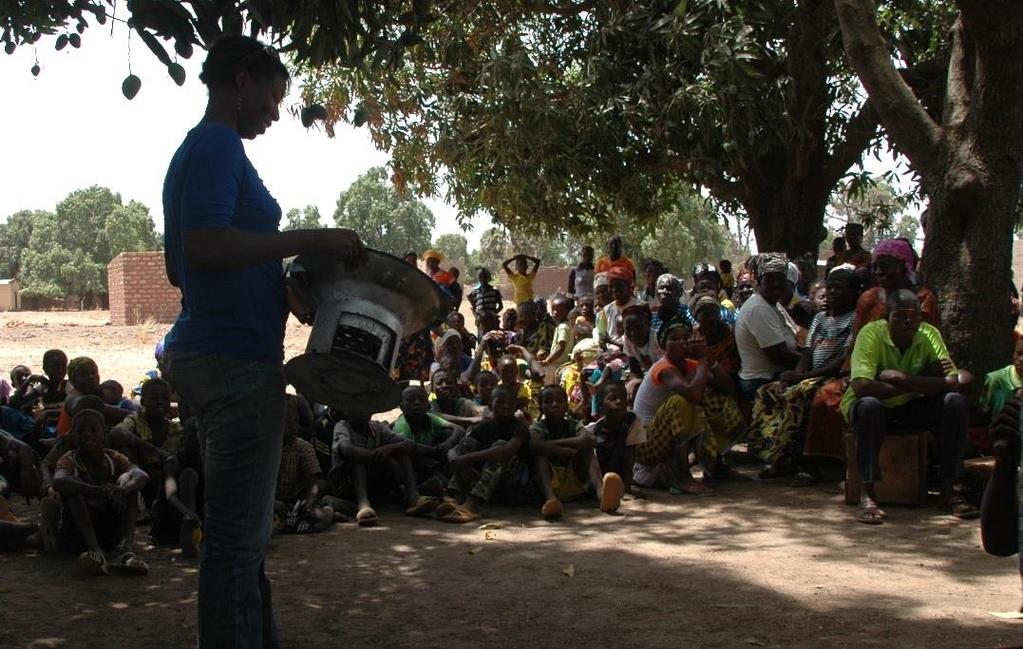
(902, 378)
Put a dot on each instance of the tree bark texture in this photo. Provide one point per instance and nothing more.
(971, 165)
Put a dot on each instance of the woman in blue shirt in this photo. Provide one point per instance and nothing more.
(225, 351)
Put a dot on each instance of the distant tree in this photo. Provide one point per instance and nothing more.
(303, 219)
(130, 228)
(68, 250)
(454, 246)
(14, 237)
(384, 218)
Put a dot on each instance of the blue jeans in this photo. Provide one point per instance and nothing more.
(239, 405)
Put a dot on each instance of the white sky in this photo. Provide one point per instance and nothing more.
(71, 127)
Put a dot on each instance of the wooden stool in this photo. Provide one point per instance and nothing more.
(903, 460)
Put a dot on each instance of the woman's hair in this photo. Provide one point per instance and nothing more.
(232, 53)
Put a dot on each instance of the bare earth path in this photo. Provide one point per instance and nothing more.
(758, 565)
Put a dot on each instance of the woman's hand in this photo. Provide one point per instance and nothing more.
(697, 347)
(341, 243)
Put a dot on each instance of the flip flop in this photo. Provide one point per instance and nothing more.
(460, 515)
(423, 506)
(367, 517)
(611, 491)
(694, 489)
(445, 507)
(962, 508)
(93, 562)
(552, 509)
(869, 513)
(129, 563)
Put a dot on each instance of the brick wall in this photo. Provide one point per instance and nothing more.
(139, 290)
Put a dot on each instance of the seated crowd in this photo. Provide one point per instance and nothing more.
(627, 381)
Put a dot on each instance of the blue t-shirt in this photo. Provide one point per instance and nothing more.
(211, 184)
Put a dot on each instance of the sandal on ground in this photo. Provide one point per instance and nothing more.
(552, 509)
(460, 515)
(93, 562)
(725, 473)
(693, 489)
(367, 517)
(445, 507)
(423, 506)
(49, 514)
(129, 563)
(804, 479)
(612, 489)
(962, 508)
(869, 513)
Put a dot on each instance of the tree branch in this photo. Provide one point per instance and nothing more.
(902, 115)
(959, 94)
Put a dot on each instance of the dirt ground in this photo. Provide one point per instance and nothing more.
(757, 565)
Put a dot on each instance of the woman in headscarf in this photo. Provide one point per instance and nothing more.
(669, 296)
(718, 335)
(894, 264)
(782, 408)
(682, 411)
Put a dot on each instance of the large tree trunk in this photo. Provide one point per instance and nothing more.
(788, 220)
(971, 165)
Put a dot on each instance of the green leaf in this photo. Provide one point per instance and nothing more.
(61, 42)
(361, 115)
(154, 45)
(75, 40)
(680, 8)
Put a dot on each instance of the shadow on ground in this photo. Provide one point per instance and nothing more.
(758, 565)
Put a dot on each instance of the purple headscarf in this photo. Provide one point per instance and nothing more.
(896, 248)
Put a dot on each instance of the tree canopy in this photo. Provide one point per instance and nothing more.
(568, 115)
(384, 218)
(302, 219)
(66, 252)
(454, 246)
(361, 34)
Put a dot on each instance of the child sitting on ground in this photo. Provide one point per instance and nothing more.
(486, 381)
(491, 461)
(418, 424)
(572, 469)
(299, 481)
(508, 371)
(112, 394)
(19, 468)
(368, 457)
(448, 404)
(83, 374)
(178, 508)
(99, 489)
(617, 433)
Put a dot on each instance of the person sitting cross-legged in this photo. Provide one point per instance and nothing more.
(151, 440)
(418, 424)
(99, 489)
(369, 457)
(300, 481)
(902, 377)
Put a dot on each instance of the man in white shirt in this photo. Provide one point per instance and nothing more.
(764, 332)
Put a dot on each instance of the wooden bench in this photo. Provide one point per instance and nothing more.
(903, 460)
